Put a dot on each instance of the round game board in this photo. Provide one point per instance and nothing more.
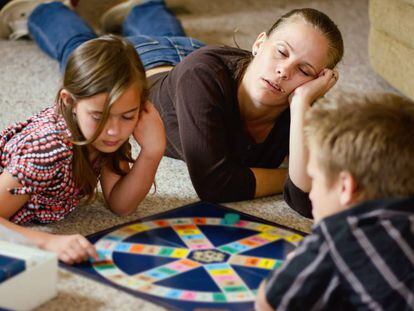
(194, 259)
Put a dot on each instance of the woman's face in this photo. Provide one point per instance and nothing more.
(121, 122)
(292, 55)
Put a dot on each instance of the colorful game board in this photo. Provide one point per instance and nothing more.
(189, 258)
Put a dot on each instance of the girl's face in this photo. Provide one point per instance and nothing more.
(292, 55)
(122, 119)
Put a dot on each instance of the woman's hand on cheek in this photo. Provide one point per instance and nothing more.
(306, 94)
(149, 132)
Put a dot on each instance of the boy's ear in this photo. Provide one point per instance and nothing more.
(348, 188)
(258, 43)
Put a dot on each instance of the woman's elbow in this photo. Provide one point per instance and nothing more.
(208, 195)
(217, 194)
(221, 187)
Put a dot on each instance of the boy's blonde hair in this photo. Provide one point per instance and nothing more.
(371, 136)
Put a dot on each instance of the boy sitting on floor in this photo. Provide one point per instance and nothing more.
(360, 255)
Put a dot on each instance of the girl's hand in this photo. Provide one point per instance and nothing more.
(149, 132)
(70, 248)
(306, 94)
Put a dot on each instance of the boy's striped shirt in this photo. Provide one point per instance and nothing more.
(359, 259)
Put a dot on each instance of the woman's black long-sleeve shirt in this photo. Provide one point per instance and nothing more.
(197, 101)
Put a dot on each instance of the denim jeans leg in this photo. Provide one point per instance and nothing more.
(152, 18)
(58, 30)
(157, 51)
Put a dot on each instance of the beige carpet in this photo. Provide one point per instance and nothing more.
(29, 80)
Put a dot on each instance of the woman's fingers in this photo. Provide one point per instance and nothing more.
(330, 77)
(336, 74)
(334, 77)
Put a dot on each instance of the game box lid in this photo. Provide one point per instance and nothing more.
(29, 276)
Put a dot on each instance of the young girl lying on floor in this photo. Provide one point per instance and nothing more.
(56, 158)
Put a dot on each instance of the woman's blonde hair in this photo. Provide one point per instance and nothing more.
(108, 64)
(371, 136)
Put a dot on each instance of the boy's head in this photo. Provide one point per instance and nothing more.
(361, 148)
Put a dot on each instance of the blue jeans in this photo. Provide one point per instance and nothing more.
(151, 27)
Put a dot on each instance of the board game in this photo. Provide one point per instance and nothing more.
(190, 258)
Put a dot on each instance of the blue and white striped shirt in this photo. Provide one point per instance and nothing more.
(359, 259)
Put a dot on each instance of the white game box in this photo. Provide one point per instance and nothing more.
(28, 276)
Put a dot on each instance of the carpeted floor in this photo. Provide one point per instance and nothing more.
(29, 81)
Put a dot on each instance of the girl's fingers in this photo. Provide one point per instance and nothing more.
(76, 252)
(147, 106)
(88, 248)
(69, 255)
(65, 258)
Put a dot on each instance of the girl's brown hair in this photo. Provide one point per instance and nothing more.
(315, 18)
(110, 65)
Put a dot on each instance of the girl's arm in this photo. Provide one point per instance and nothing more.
(69, 248)
(124, 193)
(300, 101)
